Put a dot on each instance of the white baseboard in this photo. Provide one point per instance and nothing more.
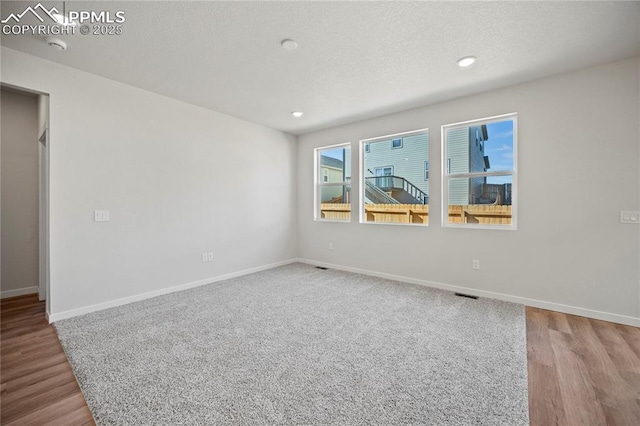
(19, 292)
(573, 310)
(138, 297)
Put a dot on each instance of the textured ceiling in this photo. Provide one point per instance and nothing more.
(354, 60)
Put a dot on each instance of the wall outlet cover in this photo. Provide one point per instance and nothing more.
(101, 215)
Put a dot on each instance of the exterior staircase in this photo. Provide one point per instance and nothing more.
(395, 188)
(375, 195)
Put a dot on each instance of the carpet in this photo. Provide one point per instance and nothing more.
(298, 345)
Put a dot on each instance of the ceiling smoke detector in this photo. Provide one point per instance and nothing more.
(64, 20)
(56, 43)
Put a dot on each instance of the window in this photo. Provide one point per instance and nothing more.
(333, 183)
(479, 180)
(384, 171)
(393, 188)
(426, 170)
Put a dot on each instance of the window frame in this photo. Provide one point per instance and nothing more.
(361, 174)
(446, 175)
(383, 168)
(399, 146)
(319, 183)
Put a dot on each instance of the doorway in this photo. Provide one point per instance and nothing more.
(24, 181)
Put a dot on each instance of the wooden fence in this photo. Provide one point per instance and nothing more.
(487, 214)
(335, 211)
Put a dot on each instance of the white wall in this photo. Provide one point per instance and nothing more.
(19, 191)
(178, 180)
(578, 167)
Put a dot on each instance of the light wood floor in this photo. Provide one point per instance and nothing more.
(581, 371)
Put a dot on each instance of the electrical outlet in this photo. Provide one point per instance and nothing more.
(210, 257)
(204, 257)
(101, 215)
(330, 246)
(475, 264)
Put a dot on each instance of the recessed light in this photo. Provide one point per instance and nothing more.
(289, 44)
(297, 114)
(466, 61)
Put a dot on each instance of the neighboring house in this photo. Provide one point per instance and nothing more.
(466, 155)
(333, 170)
(406, 158)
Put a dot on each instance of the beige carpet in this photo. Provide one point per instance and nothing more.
(299, 345)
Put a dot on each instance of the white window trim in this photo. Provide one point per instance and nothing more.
(444, 190)
(319, 183)
(361, 176)
(382, 168)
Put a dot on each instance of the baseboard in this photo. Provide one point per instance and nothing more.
(567, 309)
(138, 297)
(19, 292)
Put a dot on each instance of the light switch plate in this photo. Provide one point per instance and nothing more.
(630, 217)
(101, 215)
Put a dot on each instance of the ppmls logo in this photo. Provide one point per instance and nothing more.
(53, 22)
(18, 17)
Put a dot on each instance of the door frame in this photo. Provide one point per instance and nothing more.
(43, 214)
(44, 255)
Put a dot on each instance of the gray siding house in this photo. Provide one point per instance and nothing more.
(399, 167)
(465, 148)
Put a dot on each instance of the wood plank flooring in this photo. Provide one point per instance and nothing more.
(581, 371)
(37, 385)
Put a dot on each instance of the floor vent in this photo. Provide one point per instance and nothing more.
(466, 295)
(321, 267)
